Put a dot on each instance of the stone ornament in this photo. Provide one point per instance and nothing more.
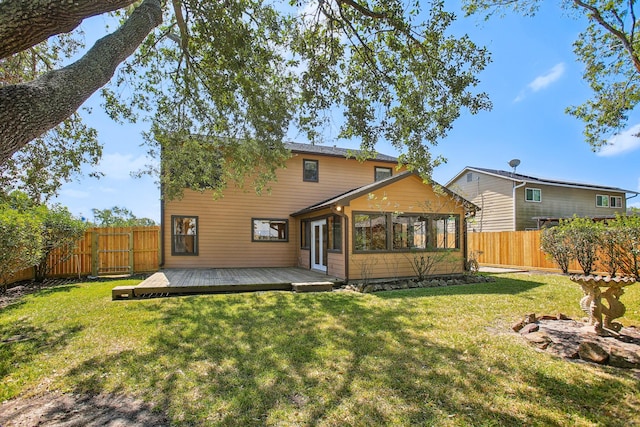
(598, 289)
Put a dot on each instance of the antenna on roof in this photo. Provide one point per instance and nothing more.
(514, 164)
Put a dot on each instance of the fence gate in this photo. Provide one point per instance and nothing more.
(112, 253)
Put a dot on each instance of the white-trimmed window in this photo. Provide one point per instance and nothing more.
(615, 201)
(602, 201)
(532, 195)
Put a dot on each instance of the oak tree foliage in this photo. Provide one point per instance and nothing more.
(608, 47)
(224, 83)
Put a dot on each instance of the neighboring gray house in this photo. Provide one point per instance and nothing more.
(510, 201)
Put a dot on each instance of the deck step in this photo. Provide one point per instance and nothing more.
(312, 286)
(122, 292)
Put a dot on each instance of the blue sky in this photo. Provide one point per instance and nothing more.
(533, 77)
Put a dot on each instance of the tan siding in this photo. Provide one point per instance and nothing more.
(561, 202)
(304, 258)
(392, 265)
(494, 197)
(336, 265)
(225, 227)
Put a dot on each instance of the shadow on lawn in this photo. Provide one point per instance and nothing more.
(21, 342)
(325, 359)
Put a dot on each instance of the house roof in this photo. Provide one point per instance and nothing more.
(334, 151)
(516, 177)
(346, 197)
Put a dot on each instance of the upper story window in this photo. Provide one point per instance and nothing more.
(270, 230)
(469, 177)
(184, 235)
(615, 201)
(532, 195)
(310, 170)
(602, 201)
(382, 173)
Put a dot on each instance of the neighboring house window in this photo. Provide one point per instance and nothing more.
(615, 201)
(410, 232)
(469, 177)
(305, 234)
(602, 201)
(334, 224)
(184, 235)
(270, 230)
(382, 173)
(532, 194)
(445, 232)
(370, 232)
(310, 170)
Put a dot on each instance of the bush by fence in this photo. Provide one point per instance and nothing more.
(107, 250)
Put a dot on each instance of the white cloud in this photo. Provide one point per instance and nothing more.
(622, 142)
(119, 166)
(543, 81)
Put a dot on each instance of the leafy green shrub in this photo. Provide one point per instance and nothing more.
(61, 231)
(554, 242)
(20, 242)
(583, 237)
(621, 245)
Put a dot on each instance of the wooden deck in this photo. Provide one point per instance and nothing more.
(221, 280)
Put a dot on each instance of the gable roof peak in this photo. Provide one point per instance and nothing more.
(513, 176)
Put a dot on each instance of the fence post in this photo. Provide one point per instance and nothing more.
(131, 269)
(94, 252)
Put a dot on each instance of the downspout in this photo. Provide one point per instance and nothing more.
(513, 198)
(338, 210)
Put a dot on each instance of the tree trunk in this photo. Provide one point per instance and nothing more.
(27, 110)
(24, 24)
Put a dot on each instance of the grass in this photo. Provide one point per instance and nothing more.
(440, 356)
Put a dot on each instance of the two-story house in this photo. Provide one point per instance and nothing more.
(326, 211)
(510, 201)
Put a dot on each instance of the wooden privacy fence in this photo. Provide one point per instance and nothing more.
(107, 250)
(514, 249)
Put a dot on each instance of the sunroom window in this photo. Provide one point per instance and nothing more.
(370, 232)
(409, 232)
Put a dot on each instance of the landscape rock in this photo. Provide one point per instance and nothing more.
(571, 339)
(624, 357)
(530, 327)
(592, 351)
(539, 339)
(516, 327)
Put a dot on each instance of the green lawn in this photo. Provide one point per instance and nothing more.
(441, 356)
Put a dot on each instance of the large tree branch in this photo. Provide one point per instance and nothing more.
(24, 24)
(28, 110)
(595, 14)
